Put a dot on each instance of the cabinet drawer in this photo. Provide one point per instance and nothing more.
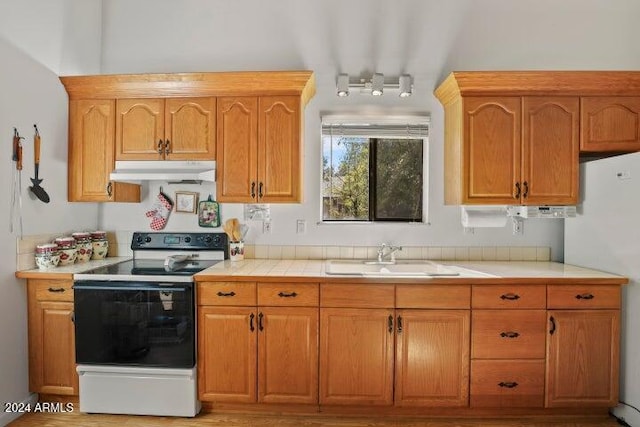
(226, 293)
(583, 296)
(507, 383)
(53, 290)
(433, 296)
(500, 334)
(508, 296)
(289, 294)
(357, 296)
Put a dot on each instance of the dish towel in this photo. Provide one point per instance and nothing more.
(159, 212)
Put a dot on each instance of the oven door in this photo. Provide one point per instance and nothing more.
(134, 323)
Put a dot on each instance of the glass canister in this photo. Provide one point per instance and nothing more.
(100, 244)
(47, 256)
(67, 249)
(84, 245)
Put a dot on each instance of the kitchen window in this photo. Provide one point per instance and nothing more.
(374, 171)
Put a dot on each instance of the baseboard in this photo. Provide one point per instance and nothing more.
(7, 417)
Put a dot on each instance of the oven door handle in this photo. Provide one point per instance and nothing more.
(130, 288)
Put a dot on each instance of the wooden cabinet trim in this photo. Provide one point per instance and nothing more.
(433, 296)
(357, 296)
(301, 83)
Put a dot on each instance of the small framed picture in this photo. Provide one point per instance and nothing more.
(186, 201)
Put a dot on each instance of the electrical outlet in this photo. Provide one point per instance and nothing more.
(518, 226)
(301, 226)
(266, 227)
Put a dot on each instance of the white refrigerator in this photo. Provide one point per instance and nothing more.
(605, 235)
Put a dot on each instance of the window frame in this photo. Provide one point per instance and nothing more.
(379, 122)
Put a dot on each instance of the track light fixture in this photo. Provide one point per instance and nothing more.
(374, 86)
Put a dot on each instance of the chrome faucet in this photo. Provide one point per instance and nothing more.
(386, 250)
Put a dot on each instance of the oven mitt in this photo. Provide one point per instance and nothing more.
(159, 212)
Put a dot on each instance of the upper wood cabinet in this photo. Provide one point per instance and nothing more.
(610, 123)
(514, 137)
(91, 154)
(512, 150)
(166, 129)
(257, 118)
(259, 149)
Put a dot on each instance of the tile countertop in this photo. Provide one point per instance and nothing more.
(67, 271)
(498, 272)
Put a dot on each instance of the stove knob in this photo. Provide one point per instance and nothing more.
(139, 239)
(216, 240)
(147, 239)
(187, 239)
(208, 240)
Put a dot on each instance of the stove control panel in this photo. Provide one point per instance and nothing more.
(179, 241)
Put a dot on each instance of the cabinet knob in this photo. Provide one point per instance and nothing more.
(518, 191)
(251, 327)
(110, 189)
(287, 294)
(399, 324)
(510, 384)
(56, 289)
(226, 294)
(509, 296)
(585, 296)
(526, 189)
(253, 189)
(390, 322)
(553, 325)
(260, 194)
(260, 325)
(160, 145)
(509, 334)
(167, 150)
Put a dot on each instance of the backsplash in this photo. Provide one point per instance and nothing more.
(120, 245)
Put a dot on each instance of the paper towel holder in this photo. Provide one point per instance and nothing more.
(483, 216)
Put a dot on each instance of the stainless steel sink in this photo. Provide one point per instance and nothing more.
(403, 268)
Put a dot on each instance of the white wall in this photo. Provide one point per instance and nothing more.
(32, 93)
(427, 39)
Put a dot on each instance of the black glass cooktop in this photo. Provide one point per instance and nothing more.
(153, 267)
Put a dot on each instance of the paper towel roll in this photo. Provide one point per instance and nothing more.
(484, 216)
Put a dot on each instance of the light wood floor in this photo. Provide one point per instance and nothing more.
(234, 420)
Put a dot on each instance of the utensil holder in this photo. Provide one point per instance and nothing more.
(236, 251)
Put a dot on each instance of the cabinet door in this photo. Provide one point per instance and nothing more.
(491, 151)
(279, 149)
(583, 358)
(52, 361)
(236, 153)
(432, 358)
(550, 150)
(356, 356)
(190, 129)
(227, 354)
(91, 154)
(288, 355)
(140, 129)
(610, 123)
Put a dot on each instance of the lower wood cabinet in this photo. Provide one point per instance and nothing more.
(249, 354)
(583, 358)
(432, 358)
(356, 356)
(52, 359)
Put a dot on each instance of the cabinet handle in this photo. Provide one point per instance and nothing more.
(253, 189)
(390, 322)
(399, 324)
(585, 296)
(260, 325)
(109, 189)
(509, 334)
(226, 294)
(166, 147)
(287, 295)
(553, 325)
(251, 327)
(260, 194)
(56, 289)
(73, 317)
(511, 384)
(510, 297)
(160, 144)
(517, 196)
(526, 189)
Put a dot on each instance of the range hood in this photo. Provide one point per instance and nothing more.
(137, 171)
